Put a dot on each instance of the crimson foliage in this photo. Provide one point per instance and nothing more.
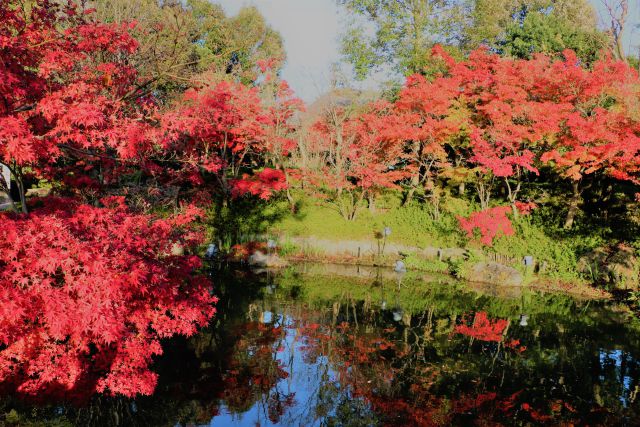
(88, 293)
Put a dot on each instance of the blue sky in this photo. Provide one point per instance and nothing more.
(311, 30)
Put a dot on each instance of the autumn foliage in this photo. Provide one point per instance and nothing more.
(493, 122)
(493, 222)
(88, 293)
(490, 223)
(483, 328)
(69, 92)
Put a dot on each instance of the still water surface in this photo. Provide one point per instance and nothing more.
(315, 346)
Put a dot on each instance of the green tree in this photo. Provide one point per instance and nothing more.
(167, 58)
(397, 33)
(234, 45)
(548, 33)
(183, 41)
(490, 22)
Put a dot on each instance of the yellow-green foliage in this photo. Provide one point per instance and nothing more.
(435, 265)
(415, 294)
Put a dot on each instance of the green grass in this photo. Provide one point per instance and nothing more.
(410, 225)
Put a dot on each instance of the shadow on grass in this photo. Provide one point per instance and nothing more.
(247, 218)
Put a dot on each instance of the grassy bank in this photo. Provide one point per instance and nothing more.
(555, 252)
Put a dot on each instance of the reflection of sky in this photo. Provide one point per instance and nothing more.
(613, 359)
(305, 380)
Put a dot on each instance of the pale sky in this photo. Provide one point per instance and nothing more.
(311, 30)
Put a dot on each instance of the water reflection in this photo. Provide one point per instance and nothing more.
(321, 349)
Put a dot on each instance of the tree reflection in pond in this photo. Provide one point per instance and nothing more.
(322, 350)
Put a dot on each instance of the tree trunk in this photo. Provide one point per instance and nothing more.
(372, 203)
(461, 189)
(484, 194)
(20, 182)
(435, 200)
(512, 195)
(415, 180)
(292, 202)
(573, 206)
(290, 199)
(432, 187)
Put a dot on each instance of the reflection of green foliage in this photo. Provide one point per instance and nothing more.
(14, 418)
(415, 295)
(562, 342)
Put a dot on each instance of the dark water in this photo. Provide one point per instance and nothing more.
(319, 348)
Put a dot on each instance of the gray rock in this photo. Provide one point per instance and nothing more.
(617, 266)
(177, 249)
(212, 251)
(261, 260)
(400, 267)
(496, 274)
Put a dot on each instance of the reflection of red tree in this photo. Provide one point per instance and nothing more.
(88, 293)
(484, 329)
(374, 368)
(399, 388)
(242, 251)
(278, 404)
(254, 371)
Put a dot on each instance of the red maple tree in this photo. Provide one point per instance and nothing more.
(492, 222)
(219, 135)
(88, 293)
(70, 99)
(361, 153)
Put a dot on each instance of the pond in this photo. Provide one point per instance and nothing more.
(321, 345)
